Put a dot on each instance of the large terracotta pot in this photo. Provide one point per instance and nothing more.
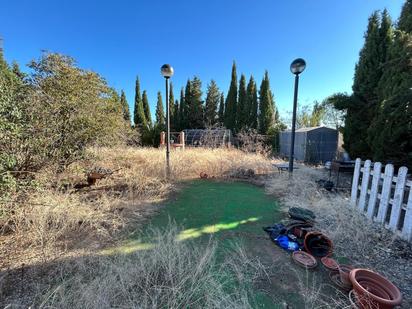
(373, 290)
(318, 244)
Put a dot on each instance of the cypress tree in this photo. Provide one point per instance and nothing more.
(125, 107)
(182, 111)
(242, 107)
(252, 103)
(405, 20)
(160, 114)
(176, 116)
(391, 130)
(172, 108)
(266, 106)
(363, 105)
(196, 104)
(221, 113)
(146, 109)
(139, 115)
(231, 101)
(187, 105)
(212, 104)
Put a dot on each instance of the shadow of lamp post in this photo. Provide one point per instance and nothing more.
(296, 67)
(167, 72)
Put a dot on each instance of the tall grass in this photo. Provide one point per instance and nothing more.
(171, 274)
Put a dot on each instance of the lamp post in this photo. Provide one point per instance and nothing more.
(167, 72)
(296, 67)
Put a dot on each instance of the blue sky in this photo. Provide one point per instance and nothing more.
(122, 39)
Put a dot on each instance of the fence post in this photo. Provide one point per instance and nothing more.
(407, 223)
(386, 192)
(377, 168)
(364, 186)
(398, 198)
(355, 182)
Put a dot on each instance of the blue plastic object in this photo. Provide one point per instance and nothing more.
(284, 242)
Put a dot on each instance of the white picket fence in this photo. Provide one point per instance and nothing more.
(385, 198)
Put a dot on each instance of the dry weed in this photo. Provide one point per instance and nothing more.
(172, 274)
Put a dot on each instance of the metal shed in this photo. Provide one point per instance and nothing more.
(313, 145)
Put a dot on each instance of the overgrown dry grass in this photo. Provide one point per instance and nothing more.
(363, 243)
(54, 220)
(172, 274)
(54, 232)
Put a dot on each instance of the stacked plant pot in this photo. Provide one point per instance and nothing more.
(373, 290)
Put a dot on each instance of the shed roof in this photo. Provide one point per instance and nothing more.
(310, 129)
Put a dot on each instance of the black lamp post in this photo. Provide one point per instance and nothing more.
(296, 67)
(167, 72)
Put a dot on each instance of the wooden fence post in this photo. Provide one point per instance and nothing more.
(377, 169)
(364, 186)
(407, 225)
(398, 198)
(355, 182)
(386, 192)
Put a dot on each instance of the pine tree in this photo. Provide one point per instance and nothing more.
(252, 103)
(160, 114)
(231, 101)
(212, 104)
(266, 106)
(405, 20)
(139, 116)
(242, 107)
(196, 104)
(172, 108)
(146, 109)
(125, 107)
(221, 114)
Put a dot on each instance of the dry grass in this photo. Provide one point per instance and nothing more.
(55, 220)
(364, 244)
(55, 224)
(172, 274)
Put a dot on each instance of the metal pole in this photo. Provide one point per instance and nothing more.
(167, 130)
(292, 137)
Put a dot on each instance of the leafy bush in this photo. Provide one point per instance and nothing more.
(50, 116)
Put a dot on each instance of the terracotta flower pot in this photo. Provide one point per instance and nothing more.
(373, 290)
(344, 271)
(318, 244)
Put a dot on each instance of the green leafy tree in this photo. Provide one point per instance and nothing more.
(160, 114)
(252, 104)
(266, 106)
(125, 107)
(212, 104)
(231, 101)
(308, 116)
(242, 107)
(221, 113)
(195, 104)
